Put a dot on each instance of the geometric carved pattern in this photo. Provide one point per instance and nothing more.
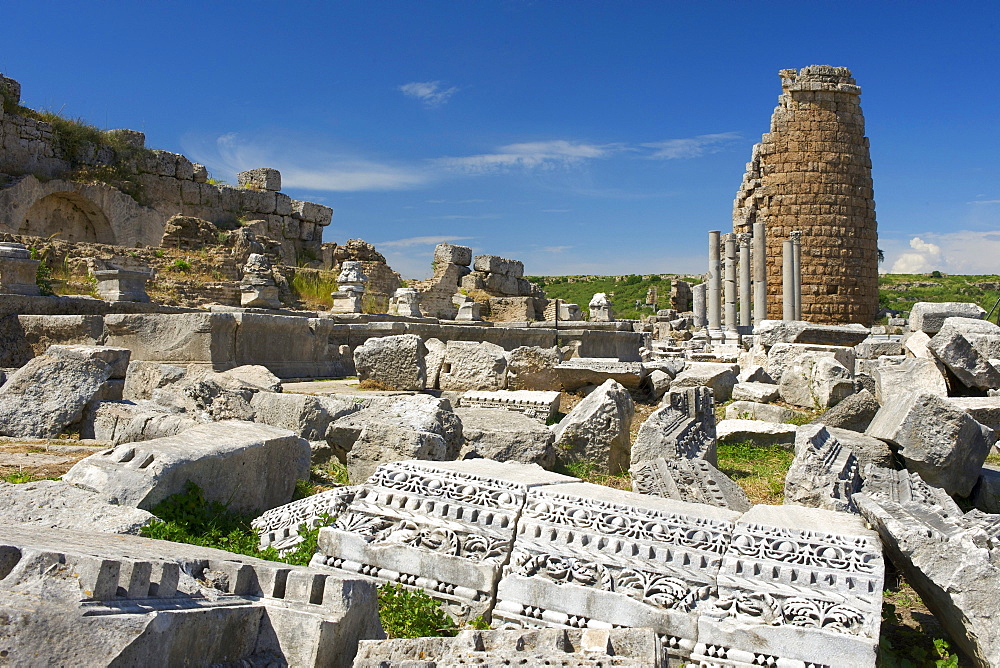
(690, 480)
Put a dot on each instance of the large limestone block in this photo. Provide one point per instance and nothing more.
(199, 395)
(717, 376)
(141, 602)
(33, 334)
(868, 450)
(874, 347)
(446, 253)
(985, 410)
(817, 382)
(770, 332)
(540, 406)
(756, 392)
(682, 428)
(116, 358)
(625, 648)
(433, 360)
(982, 334)
(797, 586)
(307, 416)
(175, 338)
(936, 439)
(505, 436)
(824, 473)
(582, 371)
(473, 365)
(253, 377)
(395, 361)
(126, 422)
(757, 432)
(919, 374)
(597, 429)
(419, 427)
(749, 410)
(986, 495)
(497, 265)
(957, 352)
(250, 467)
(929, 317)
(689, 480)
(915, 345)
(533, 368)
(144, 377)
(58, 504)
(945, 555)
(855, 412)
(784, 355)
(590, 556)
(48, 393)
(454, 548)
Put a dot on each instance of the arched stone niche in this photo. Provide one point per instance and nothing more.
(70, 216)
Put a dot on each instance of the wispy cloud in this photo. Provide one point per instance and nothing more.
(531, 155)
(456, 201)
(430, 93)
(691, 147)
(556, 210)
(556, 249)
(421, 241)
(482, 216)
(984, 201)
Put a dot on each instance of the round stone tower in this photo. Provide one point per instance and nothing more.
(812, 173)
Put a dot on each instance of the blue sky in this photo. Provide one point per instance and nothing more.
(578, 137)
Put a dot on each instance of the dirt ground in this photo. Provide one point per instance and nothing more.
(24, 460)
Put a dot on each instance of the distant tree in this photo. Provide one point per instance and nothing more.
(881, 256)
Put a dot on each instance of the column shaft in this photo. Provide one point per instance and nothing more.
(787, 282)
(746, 319)
(730, 282)
(797, 271)
(759, 273)
(714, 282)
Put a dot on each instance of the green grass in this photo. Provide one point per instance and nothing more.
(625, 292)
(759, 469)
(901, 291)
(412, 613)
(314, 287)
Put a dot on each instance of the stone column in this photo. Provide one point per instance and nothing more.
(787, 282)
(744, 280)
(729, 283)
(759, 273)
(699, 308)
(797, 271)
(714, 282)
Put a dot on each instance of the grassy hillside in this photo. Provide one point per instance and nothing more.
(622, 290)
(896, 291)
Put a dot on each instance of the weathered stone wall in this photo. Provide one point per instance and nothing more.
(37, 197)
(812, 172)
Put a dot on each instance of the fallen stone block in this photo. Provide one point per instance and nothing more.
(638, 648)
(986, 494)
(781, 356)
(912, 375)
(797, 586)
(582, 371)
(944, 555)
(281, 527)
(658, 383)
(717, 376)
(199, 395)
(568, 566)
(142, 602)
(308, 416)
(819, 382)
(417, 427)
(249, 467)
(682, 428)
(120, 422)
(749, 410)
(395, 361)
(929, 317)
(757, 392)
(915, 345)
(824, 473)
(597, 429)
(254, 377)
(770, 332)
(473, 365)
(867, 449)
(855, 412)
(47, 394)
(689, 480)
(872, 348)
(56, 504)
(936, 439)
(116, 358)
(756, 431)
(754, 373)
(540, 406)
(982, 334)
(953, 349)
(533, 368)
(505, 436)
(984, 410)
(454, 548)
(143, 377)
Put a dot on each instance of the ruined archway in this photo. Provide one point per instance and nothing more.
(69, 216)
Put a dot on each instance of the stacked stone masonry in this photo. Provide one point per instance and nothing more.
(812, 173)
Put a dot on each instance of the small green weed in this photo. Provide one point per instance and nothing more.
(181, 266)
(412, 613)
(159, 252)
(17, 477)
(43, 275)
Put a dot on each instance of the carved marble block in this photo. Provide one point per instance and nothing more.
(279, 527)
(690, 480)
(122, 285)
(17, 270)
(350, 288)
(406, 302)
(445, 527)
(535, 404)
(587, 556)
(682, 428)
(798, 587)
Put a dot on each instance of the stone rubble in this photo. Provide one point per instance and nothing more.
(596, 431)
(683, 427)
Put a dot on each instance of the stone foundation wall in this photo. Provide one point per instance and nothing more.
(812, 172)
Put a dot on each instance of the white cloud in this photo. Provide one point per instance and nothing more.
(556, 249)
(431, 93)
(984, 201)
(420, 241)
(530, 155)
(960, 252)
(691, 147)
